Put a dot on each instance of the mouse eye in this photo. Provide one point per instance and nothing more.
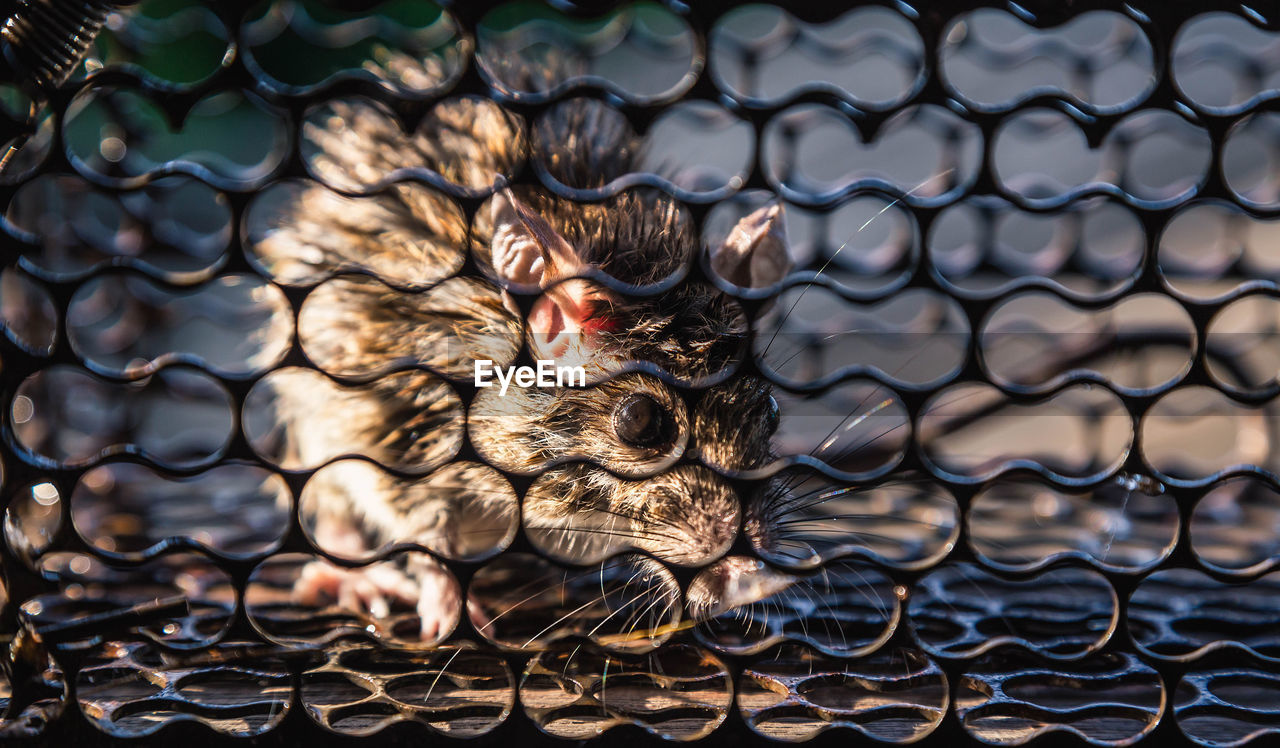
(641, 422)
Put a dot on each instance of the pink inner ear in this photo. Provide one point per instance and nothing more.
(566, 321)
(546, 319)
(553, 332)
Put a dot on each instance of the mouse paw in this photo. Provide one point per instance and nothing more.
(371, 590)
(439, 601)
(379, 590)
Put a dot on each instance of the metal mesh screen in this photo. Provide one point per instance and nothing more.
(1016, 479)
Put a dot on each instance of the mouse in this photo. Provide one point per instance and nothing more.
(598, 285)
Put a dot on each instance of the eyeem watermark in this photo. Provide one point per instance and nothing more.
(545, 374)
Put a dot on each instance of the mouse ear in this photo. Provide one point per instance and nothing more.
(525, 249)
(756, 253)
(567, 322)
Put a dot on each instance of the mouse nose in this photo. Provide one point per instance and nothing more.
(701, 511)
(731, 583)
(721, 519)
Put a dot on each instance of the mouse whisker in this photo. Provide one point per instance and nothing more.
(858, 420)
(534, 582)
(577, 610)
(782, 503)
(631, 622)
(826, 517)
(426, 699)
(833, 256)
(862, 588)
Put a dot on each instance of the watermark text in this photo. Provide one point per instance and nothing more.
(545, 374)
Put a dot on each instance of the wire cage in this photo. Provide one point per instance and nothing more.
(1016, 480)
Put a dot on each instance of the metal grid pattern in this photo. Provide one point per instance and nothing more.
(1024, 367)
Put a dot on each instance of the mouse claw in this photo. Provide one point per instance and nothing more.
(439, 602)
(377, 590)
(316, 582)
(364, 594)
